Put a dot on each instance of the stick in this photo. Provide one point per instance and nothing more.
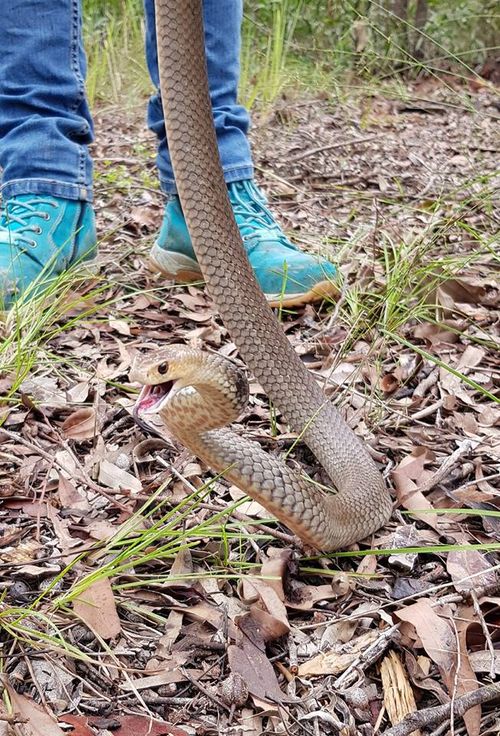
(320, 149)
(439, 713)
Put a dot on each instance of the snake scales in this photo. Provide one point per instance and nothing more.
(362, 503)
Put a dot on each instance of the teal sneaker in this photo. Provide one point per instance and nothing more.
(40, 238)
(287, 276)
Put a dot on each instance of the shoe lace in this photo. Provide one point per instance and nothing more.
(252, 215)
(17, 217)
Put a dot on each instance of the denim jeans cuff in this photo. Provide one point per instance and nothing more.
(231, 173)
(50, 187)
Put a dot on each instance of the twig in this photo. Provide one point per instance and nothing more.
(439, 713)
(366, 658)
(206, 691)
(476, 482)
(329, 147)
(486, 633)
(13, 718)
(426, 383)
(458, 667)
(426, 411)
(463, 449)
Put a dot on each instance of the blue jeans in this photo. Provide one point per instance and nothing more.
(45, 121)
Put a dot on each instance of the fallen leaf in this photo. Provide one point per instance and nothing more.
(71, 497)
(45, 391)
(254, 667)
(171, 672)
(80, 725)
(129, 725)
(434, 632)
(97, 608)
(112, 476)
(122, 327)
(39, 721)
(407, 476)
(81, 424)
(446, 648)
(470, 570)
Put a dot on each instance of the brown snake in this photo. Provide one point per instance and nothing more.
(362, 503)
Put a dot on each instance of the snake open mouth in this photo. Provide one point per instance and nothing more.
(151, 397)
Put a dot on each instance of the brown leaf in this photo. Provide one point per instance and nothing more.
(455, 293)
(80, 725)
(434, 632)
(446, 648)
(132, 725)
(467, 681)
(45, 390)
(71, 497)
(436, 334)
(81, 424)
(251, 662)
(407, 477)
(39, 721)
(96, 607)
(389, 383)
(470, 570)
(269, 612)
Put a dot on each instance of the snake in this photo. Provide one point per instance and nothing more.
(361, 502)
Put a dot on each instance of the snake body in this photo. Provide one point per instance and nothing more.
(362, 503)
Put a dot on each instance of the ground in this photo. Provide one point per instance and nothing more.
(141, 595)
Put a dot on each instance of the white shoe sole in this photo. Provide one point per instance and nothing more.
(183, 269)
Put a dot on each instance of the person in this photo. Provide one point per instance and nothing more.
(47, 222)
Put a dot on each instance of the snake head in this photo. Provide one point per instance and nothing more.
(159, 373)
(181, 380)
(156, 373)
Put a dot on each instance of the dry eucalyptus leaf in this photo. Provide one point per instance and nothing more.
(111, 476)
(470, 570)
(443, 645)
(39, 722)
(97, 608)
(45, 391)
(81, 424)
(71, 497)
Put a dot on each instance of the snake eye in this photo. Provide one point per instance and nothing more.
(162, 368)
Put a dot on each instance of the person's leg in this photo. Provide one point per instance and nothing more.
(286, 275)
(45, 128)
(222, 20)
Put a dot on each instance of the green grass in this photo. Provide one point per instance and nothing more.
(409, 272)
(114, 41)
(50, 307)
(139, 552)
(28, 329)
